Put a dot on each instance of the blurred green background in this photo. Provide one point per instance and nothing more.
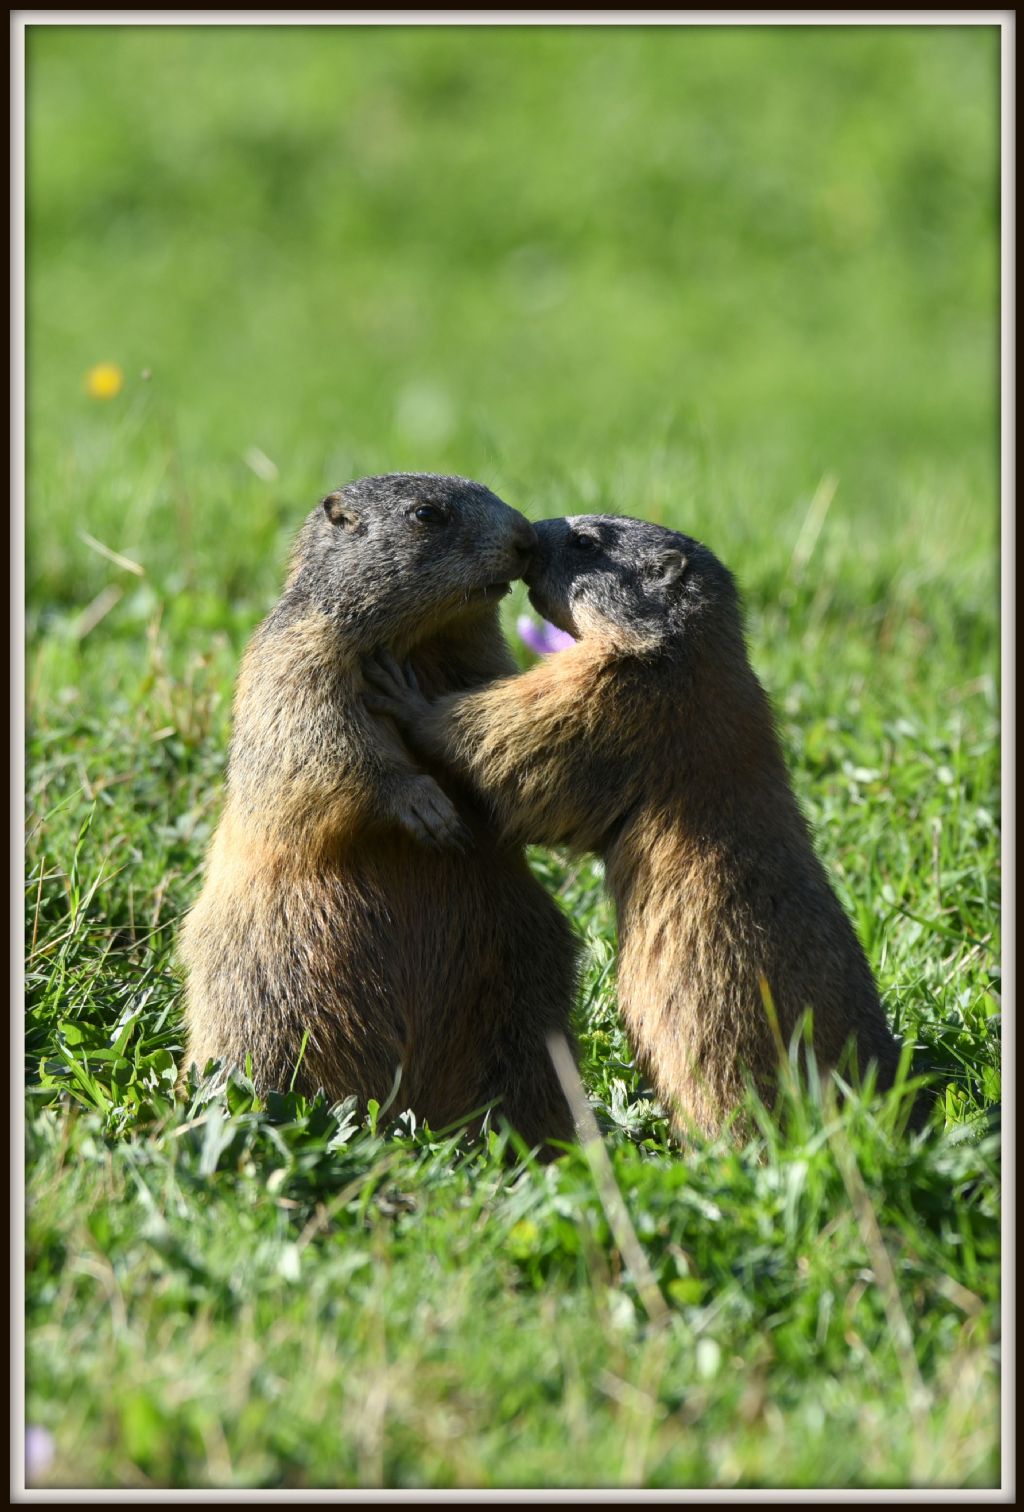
(682, 272)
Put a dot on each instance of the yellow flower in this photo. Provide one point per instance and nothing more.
(104, 380)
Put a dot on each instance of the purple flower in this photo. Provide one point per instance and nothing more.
(39, 1452)
(543, 638)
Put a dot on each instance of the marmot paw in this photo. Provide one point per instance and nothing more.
(392, 690)
(429, 816)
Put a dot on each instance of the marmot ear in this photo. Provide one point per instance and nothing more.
(667, 569)
(340, 512)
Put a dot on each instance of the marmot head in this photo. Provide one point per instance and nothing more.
(638, 585)
(420, 546)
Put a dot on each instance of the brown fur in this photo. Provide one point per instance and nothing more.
(320, 913)
(651, 742)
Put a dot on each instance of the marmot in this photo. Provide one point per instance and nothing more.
(652, 743)
(323, 918)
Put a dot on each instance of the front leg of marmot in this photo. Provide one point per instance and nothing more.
(516, 742)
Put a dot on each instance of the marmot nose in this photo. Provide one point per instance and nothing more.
(524, 539)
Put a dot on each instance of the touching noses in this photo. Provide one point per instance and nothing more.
(524, 540)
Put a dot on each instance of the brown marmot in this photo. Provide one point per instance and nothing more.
(323, 917)
(652, 743)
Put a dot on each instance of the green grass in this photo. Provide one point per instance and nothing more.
(740, 280)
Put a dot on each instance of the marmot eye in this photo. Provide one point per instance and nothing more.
(585, 542)
(431, 514)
